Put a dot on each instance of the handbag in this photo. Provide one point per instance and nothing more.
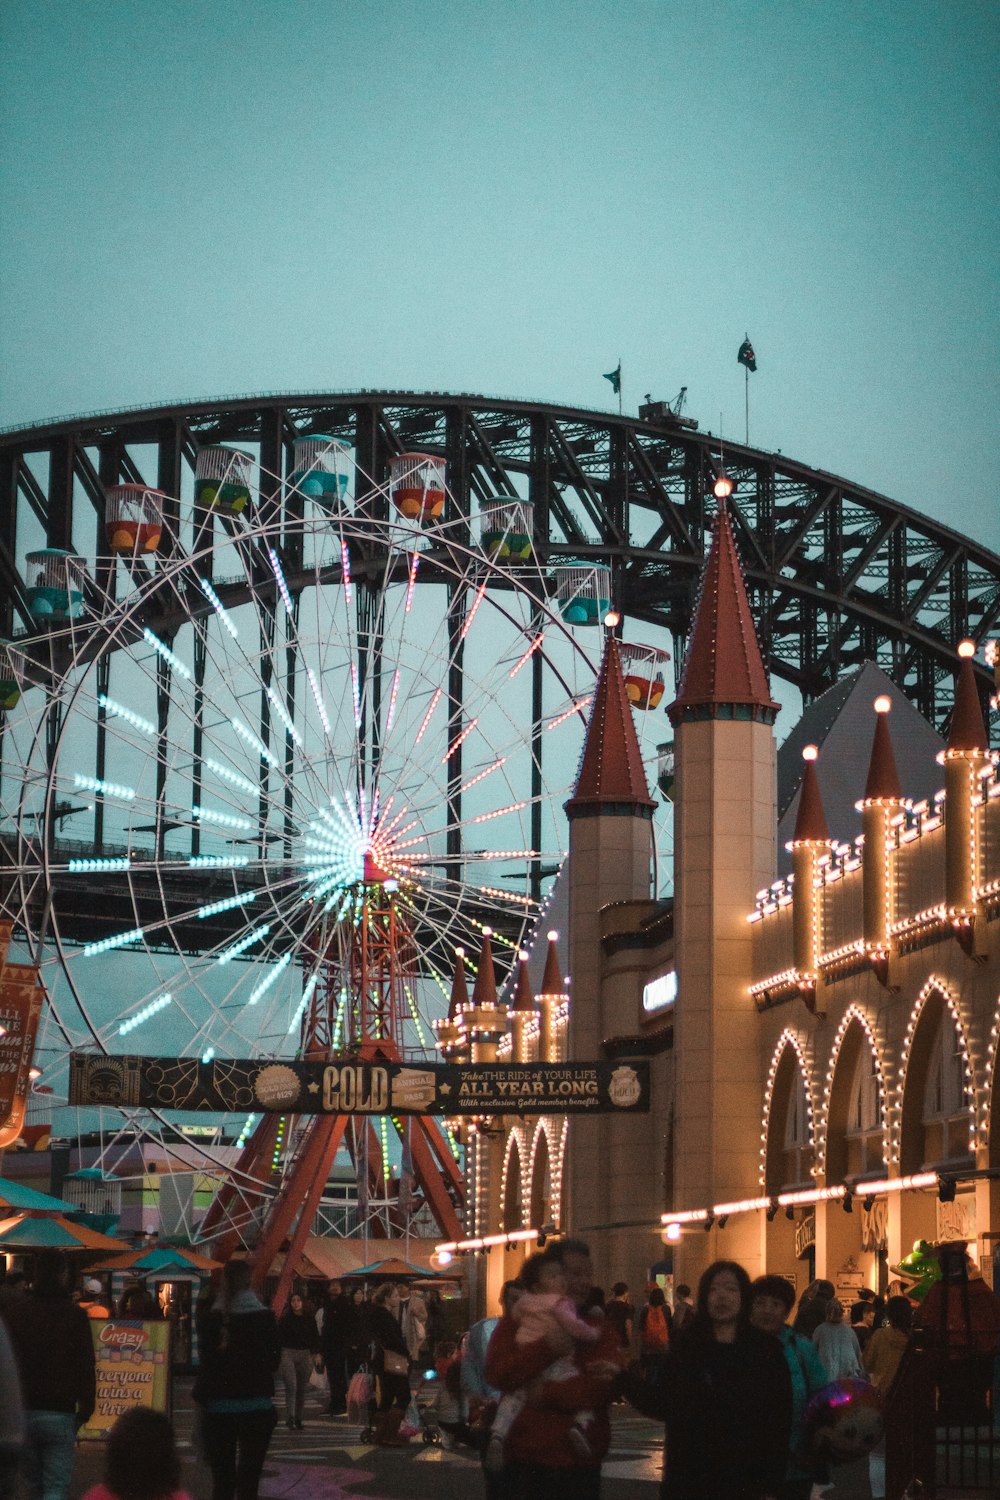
(395, 1364)
(359, 1394)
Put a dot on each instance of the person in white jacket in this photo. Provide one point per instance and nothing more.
(837, 1345)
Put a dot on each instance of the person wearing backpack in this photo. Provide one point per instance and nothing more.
(654, 1327)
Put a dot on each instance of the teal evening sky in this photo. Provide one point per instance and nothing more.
(204, 198)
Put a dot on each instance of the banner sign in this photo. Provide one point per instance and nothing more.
(133, 1369)
(352, 1087)
(21, 997)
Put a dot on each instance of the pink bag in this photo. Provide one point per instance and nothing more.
(359, 1394)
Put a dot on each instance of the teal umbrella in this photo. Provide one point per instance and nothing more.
(160, 1258)
(392, 1269)
(52, 1233)
(25, 1200)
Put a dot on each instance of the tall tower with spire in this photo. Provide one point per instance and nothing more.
(724, 852)
(610, 852)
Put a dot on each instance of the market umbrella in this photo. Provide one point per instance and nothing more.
(391, 1268)
(20, 1199)
(159, 1258)
(52, 1233)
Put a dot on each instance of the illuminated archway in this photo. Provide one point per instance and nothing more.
(787, 1155)
(936, 1109)
(855, 1125)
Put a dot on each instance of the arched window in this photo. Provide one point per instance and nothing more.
(865, 1109)
(855, 1135)
(789, 1143)
(937, 1104)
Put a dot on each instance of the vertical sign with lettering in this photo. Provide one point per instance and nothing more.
(133, 1369)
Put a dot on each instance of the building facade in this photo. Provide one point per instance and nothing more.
(822, 1043)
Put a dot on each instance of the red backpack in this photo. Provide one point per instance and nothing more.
(655, 1333)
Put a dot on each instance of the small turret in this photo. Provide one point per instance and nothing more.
(553, 1000)
(811, 837)
(880, 808)
(452, 1037)
(966, 759)
(485, 1018)
(523, 1017)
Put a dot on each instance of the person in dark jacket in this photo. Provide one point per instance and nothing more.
(356, 1334)
(724, 1393)
(55, 1355)
(336, 1319)
(239, 1351)
(298, 1337)
(391, 1363)
(435, 1322)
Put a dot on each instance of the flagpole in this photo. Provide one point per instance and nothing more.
(619, 387)
(746, 400)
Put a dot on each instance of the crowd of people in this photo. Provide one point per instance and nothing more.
(730, 1373)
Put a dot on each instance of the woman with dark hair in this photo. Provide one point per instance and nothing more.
(724, 1394)
(886, 1347)
(239, 1352)
(140, 1460)
(391, 1364)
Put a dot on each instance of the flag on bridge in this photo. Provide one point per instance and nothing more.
(746, 355)
(615, 376)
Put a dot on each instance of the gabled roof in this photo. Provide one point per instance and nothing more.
(611, 774)
(723, 666)
(967, 730)
(839, 722)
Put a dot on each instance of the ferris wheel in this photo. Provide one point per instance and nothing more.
(210, 752)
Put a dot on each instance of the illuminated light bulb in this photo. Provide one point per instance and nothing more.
(487, 932)
(612, 618)
(672, 1233)
(723, 487)
(553, 936)
(810, 752)
(882, 704)
(966, 649)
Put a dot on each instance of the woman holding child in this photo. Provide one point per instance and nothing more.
(556, 1367)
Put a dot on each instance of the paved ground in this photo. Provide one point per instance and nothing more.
(327, 1461)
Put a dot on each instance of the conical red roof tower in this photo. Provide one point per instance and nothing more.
(612, 778)
(724, 675)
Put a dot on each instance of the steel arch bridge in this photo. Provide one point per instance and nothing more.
(837, 574)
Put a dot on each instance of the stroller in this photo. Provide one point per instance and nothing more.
(422, 1412)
